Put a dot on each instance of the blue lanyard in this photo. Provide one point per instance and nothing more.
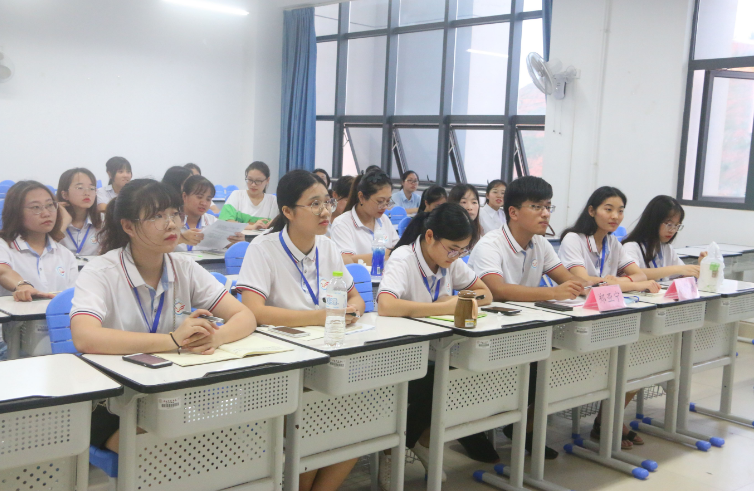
(198, 227)
(377, 223)
(437, 288)
(315, 298)
(81, 245)
(156, 320)
(659, 254)
(604, 249)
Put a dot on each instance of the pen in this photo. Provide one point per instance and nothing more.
(358, 316)
(206, 317)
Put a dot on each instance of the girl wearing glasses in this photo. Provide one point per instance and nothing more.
(252, 205)
(32, 264)
(491, 216)
(285, 273)
(649, 244)
(364, 216)
(467, 196)
(132, 299)
(407, 197)
(119, 171)
(81, 222)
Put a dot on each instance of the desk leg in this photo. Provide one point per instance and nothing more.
(437, 428)
(398, 461)
(293, 442)
(518, 451)
(541, 403)
(278, 445)
(127, 446)
(82, 471)
(684, 383)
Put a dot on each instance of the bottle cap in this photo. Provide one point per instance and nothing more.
(337, 274)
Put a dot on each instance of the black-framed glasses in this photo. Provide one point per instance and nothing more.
(161, 221)
(38, 209)
(317, 206)
(256, 182)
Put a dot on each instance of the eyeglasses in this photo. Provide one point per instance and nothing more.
(162, 221)
(83, 189)
(256, 182)
(384, 204)
(673, 227)
(457, 253)
(501, 192)
(412, 181)
(37, 209)
(317, 206)
(539, 208)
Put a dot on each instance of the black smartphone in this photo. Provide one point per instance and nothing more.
(289, 331)
(146, 360)
(553, 306)
(501, 310)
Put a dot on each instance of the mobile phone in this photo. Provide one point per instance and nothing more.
(146, 360)
(215, 320)
(553, 306)
(501, 310)
(290, 332)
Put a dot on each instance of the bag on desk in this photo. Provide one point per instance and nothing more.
(711, 270)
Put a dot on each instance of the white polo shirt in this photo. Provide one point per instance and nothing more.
(352, 237)
(111, 289)
(580, 250)
(267, 208)
(491, 219)
(666, 256)
(269, 271)
(82, 241)
(406, 271)
(204, 221)
(106, 194)
(499, 253)
(54, 271)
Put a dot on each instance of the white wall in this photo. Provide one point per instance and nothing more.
(620, 123)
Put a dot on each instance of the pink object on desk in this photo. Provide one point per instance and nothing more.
(605, 298)
(683, 289)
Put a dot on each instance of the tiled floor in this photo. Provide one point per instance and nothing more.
(730, 468)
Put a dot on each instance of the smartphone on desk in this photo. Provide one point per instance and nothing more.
(290, 332)
(501, 310)
(147, 360)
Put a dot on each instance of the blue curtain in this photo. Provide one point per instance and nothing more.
(298, 121)
(546, 28)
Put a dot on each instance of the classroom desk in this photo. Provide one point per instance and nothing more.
(744, 263)
(490, 384)
(45, 411)
(210, 260)
(690, 255)
(216, 425)
(357, 402)
(250, 235)
(29, 314)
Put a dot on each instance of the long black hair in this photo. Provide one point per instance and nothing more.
(290, 188)
(140, 199)
(64, 184)
(114, 164)
(323, 171)
(456, 194)
(647, 230)
(585, 223)
(430, 195)
(176, 176)
(369, 184)
(448, 221)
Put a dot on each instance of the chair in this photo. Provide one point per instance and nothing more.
(397, 213)
(219, 191)
(222, 279)
(99, 183)
(620, 233)
(7, 182)
(546, 281)
(363, 281)
(59, 326)
(466, 259)
(52, 189)
(4, 190)
(213, 213)
(234, 257)
(403, 224)
(230, 189)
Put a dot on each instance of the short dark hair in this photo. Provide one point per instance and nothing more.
(342, 186)
(323, 171)
(430, 195)
(114, 164)
(290, 188)
(193, 167)
(585, 223)
(372, 168)
(176, 176)
(456, 194)
(261, 167)
(526, 188)
(368, 184)
(13, 207)
(448, 221)
(198, 184)
(405, 175)
(64, 184)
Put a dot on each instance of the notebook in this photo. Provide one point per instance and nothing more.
(248, 346)
(452, 318)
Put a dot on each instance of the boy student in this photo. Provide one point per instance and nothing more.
(512, 259)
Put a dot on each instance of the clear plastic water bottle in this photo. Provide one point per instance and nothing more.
(336, 298)
(378, 252)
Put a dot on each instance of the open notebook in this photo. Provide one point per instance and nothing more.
(248, 346)
(452, 318)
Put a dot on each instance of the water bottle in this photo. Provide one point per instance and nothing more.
(336, 297)
(378, 252)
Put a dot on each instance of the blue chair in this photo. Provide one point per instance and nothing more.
(4, 190)
(219, 191)
(397, 213)
(620, 233)
(234, 257)
(363, 281)
(213, 213)
(466, 259)
(99, 183)
(230, 189)
(403, 224)
(52, 189)
(7, 182)
(59, 325)
(546, 281)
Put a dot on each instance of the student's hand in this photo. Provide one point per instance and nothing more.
(351, 319)
(192, 236)
(449, 302)
(702, 256)
(612, 280)
(387, 253)
(193, 328)
(568, 290)
(64, 216)
(26, 293)
(258, 225)
(237, 237)
(690, 270)
(650, 285)
(205, 345)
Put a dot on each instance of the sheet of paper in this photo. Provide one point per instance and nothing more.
(216, 235)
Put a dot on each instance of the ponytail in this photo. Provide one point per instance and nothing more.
(448, 221)
(368, 184)
(290, 189)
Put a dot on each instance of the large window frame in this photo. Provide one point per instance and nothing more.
(444, 121)
(713, 68)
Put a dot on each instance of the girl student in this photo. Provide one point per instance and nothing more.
(340, 191)
(491, 216)
(197, 194)
(285, 273)
(322, 173)
(419, 281)
(432, 197)
(81, 222)
(364, 216)
(649, 243)
(197, 171)
(406, 196)
(252, 205)
(134, 297)
(467, 196)
(119, 171)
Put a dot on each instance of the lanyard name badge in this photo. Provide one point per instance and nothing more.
(437, 288)
(156, 320)
(198, 227)
(315, 298)
(604, 252)
(80, 246)
(659, 255)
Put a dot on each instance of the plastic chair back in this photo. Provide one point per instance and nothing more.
(234, 257)
(397, 213)
(222, 279)
(220, 191)
(59, 324)
(230, 189)
(7, 182)
(620, 233)
(403, 224)
(99, 183)
(362, 279)
(213, 213)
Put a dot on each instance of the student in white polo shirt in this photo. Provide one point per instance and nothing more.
(364, 216)
(119, 171)
(285, 273)
(81, 222)
(133, 298)
(650, 243)
(419, 281)
(491, 215)
(590, 250)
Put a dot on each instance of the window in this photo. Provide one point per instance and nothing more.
(716, 150)
(436, 86)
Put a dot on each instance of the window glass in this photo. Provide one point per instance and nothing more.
(421, 11)
(324, 145)
(367, 15)
(724, 29)
(693, 135)
(327, 55)
(419, 71)
(364, 148)
(530, 99)
(326, 20)
(420, 151)
(482, 154)
(468, 9)
(534, 146)
(532, 5)
(365, 86)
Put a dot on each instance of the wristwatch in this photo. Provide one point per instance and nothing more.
(22, 283)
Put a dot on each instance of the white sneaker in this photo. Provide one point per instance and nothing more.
(385, 471)
(422, 453)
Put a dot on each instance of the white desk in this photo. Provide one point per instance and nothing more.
(731, 259)
(357, 405)
(45, 411)
(234, 409)
(490, 385)
(250, 235)
(210, 260)
(744, 263)
(21, 313)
